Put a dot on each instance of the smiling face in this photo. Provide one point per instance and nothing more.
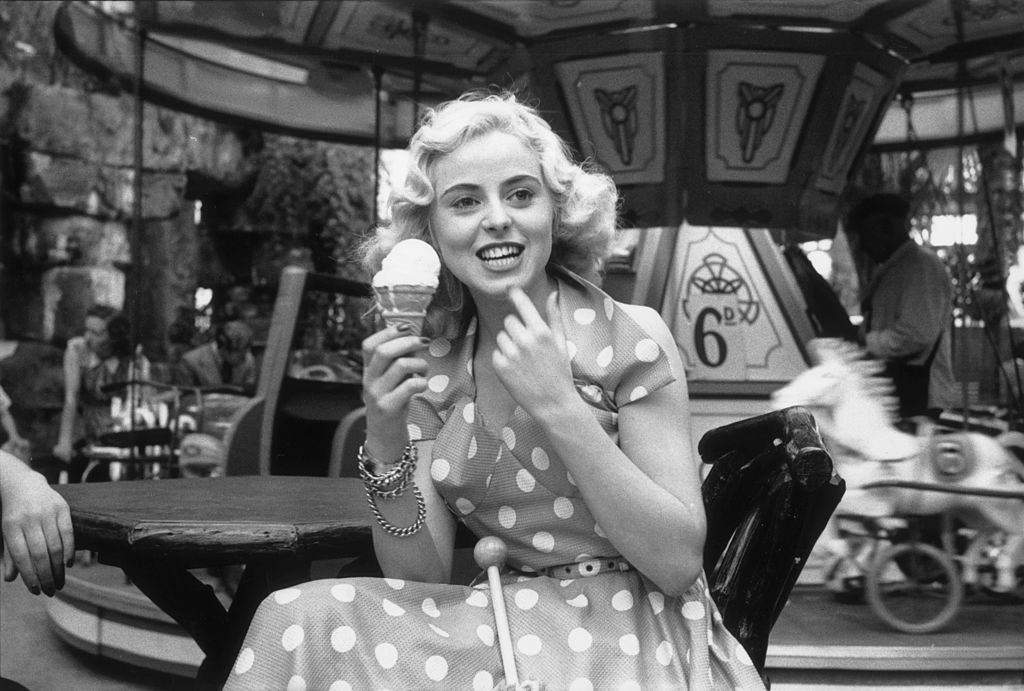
(492, 216)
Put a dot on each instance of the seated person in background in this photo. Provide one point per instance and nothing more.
(102, 356)
(37, 537)
(225, 361)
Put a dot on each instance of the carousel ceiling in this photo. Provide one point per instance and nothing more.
(746, 112)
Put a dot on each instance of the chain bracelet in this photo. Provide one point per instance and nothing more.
(388, 527)
(391, 485)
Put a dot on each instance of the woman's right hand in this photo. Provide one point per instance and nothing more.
(392, 374)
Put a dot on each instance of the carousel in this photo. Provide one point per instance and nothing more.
(738, 133)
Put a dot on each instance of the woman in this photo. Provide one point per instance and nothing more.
(102, 356)
(542, 412)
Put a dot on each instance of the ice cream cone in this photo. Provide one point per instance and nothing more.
(404, 304)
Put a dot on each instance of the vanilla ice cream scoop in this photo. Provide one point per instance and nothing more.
(405, 284)
(411, 262)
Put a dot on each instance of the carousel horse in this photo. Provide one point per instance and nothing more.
(973, 477)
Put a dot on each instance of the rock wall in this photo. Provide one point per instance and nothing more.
(72, 158)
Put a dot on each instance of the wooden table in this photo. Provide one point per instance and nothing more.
(156, 530)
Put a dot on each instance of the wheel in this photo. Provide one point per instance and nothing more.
(922, 597)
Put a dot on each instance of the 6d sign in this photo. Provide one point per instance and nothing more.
(717, 337)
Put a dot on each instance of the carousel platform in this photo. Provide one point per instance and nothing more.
(817, 642)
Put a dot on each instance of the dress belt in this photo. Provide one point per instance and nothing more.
(587, 568)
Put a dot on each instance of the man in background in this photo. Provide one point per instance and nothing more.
(227, 360)
(907, 306)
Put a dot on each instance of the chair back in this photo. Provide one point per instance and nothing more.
(350, 434)
(771, 490)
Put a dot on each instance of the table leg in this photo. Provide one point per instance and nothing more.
(189, 601)
(257, 582)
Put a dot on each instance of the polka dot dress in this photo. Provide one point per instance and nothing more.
(578, 621)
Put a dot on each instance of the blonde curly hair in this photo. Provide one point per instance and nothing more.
(586, 200)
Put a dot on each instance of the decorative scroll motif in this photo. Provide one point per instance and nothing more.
(725, 317)
(755, 115)
(858, 106)
(617, 106)
(757, 104)
(618, 115)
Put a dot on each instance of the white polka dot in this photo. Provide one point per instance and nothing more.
(472, 447)
(438, 383)
(343, 638)
(578, 601)
(657, 601)
(584, 315)
(663, 653)
(477, 599)
(436, 667)
(469, 413)
(543, 542)
(439, 631)
(429, 608)
(529, 644)
(540, 458)
(391, 608)
(604, 358)
(571, 479)
(564, 507)
(526, 598)
(296, 683)
(386, 654)
(525, 481)
(637, 393)
(580, 640)
(646, 350)
(509, 437)
(439, 469)
(395, 583)
(340, 686)
(245, 659)
(415, 433)
(486, 634)
(343, 592)
(283, 597)
(292, 637)
(740, 654)
(581, 684)
(622, 601)
(483, 681)
(609, 308)
(464, 505)
(693, 610)
(630, 644)
(629, 685)
(570, 349)
(439, 347)
(599, 531)
(507, 516)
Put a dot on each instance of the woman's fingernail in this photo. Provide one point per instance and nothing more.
(424, 340)
(404, 327)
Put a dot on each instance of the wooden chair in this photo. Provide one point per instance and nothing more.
(771, 490)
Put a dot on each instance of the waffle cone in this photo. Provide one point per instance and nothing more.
(404, 305)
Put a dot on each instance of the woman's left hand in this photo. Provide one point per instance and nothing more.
(531, 357)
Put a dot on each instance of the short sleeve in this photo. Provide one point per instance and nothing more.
(644, 364)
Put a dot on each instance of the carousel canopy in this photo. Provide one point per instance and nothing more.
(729, 112)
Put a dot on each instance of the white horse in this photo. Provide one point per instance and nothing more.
(966, 474)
